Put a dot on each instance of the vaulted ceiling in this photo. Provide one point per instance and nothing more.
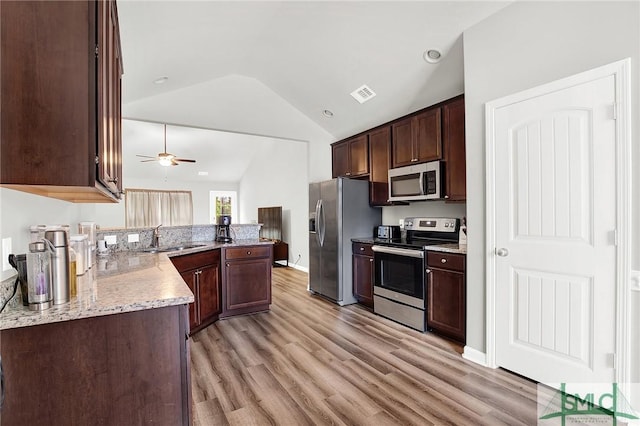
(272, 68)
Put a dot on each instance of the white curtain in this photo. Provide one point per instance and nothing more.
(150, 207)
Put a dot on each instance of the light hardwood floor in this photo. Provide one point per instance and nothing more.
(308, 361)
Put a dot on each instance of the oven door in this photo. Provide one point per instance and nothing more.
(399, 275)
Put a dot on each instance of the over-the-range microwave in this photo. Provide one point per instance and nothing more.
(414, 183)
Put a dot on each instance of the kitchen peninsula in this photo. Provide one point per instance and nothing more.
(118, 353)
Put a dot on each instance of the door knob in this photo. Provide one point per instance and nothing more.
(502, 252)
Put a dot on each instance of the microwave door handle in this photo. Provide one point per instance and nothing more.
(423, 176)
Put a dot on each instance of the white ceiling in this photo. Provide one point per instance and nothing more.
(232, 66)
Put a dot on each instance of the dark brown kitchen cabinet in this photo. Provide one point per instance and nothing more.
(246, 279)
(379, 165)
(417, 138)
(363, 273)
(120, 369)
(446, 294)
(453, 141)
(201, 272)
(350, 157)
(61, 68)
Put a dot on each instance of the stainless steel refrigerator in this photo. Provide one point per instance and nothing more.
(338, 211)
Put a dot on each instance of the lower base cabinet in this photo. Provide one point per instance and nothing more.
(201, 272)
(446, 295)
(121, 369)
(246, 279)
(363, 273)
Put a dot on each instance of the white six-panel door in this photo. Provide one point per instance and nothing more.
(555, 223)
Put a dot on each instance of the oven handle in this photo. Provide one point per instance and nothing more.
(399, 251)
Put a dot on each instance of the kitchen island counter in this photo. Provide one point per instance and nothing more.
(125, 281)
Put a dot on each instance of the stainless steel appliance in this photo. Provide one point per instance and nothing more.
(59, 265)
(399, 282)
(338, 211)
(224, 229)
(415, 183)
(387, 232)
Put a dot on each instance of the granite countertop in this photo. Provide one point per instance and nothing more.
(445, 248)
(121, 282)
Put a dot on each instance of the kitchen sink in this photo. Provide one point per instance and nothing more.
(172, 248)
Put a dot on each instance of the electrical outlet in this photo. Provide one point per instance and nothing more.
(110, 240)
(6, 251)
(133, 238)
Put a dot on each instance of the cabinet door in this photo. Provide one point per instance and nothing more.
(109, 91)
(446, 303)
(454, 150)
(359, 156)
(340, 159)
(379, 164)
(402, 143)
(363, 279)
(247, 283)
(209, 292)
(194, 309)
(427, 129)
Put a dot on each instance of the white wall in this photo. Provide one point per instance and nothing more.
(524, 45)
(20, 210)
(278, 177)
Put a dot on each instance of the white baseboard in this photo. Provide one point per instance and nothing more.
(474, 355)
(299, 268)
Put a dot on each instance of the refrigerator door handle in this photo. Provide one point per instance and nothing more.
(318, 223)
(322, 222)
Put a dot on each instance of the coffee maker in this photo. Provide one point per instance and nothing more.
(224, 229)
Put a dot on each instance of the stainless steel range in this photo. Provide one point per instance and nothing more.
(400, 270)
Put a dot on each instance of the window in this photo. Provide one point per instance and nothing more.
(223, 203)
(151, 207)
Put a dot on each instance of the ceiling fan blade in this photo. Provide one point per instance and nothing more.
(184, 160)
(145, 156)
(148, 161)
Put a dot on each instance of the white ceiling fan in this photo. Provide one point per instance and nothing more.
(165, 158)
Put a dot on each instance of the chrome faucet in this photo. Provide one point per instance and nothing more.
(155, 240)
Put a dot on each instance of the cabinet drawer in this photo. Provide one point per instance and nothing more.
(363, 249)
(453, 262)
(196, 260)
(248, 252)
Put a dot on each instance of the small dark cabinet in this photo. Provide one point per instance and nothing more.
(363, 273)
(379, 165)
(201, 272)
(446, 294)
(350, 157)
(417, 138)
(246, 279)
(453, 142)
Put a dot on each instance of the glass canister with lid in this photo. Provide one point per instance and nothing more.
(39, 283)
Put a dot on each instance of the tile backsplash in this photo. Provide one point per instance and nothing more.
(174, 235)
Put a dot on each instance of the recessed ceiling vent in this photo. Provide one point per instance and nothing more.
(363, 94)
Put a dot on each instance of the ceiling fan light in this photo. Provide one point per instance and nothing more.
(165, 161)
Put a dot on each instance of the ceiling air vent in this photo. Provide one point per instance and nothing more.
(363, 94)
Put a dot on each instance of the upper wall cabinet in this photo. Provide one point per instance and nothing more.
(417, 139)
(351, 157)
(61, 93)
(379, 164)
(454, 149)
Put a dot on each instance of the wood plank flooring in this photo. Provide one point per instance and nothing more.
(310, 362)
